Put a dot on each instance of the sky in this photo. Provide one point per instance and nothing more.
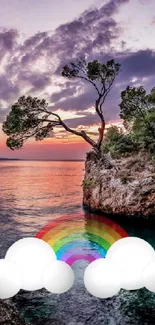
(37, 38)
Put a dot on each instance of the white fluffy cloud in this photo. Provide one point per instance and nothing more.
(10, 281)
(58, 277)
(31, 255)
(101, 280)
(129, 264)
(30, 264)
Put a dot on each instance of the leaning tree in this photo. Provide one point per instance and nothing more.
(31, 117)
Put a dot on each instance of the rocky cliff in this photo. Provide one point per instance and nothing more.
(123, 186)
(9, 315)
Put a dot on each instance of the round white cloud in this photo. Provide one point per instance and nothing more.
(118, 244)
(132, 254)
(9, 279)
(102, 279)
(31, 255)
(58, 277)
(148, 276)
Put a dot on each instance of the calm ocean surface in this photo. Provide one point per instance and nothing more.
(31, 195)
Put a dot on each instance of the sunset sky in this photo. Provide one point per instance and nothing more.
(38, 37)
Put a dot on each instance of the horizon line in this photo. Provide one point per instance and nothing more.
(22, 159)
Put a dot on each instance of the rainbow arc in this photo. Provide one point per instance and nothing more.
(81, 236)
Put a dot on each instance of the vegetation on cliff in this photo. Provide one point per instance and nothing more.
(137, 109)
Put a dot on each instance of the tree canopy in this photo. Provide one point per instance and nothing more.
(137, 109)
(31, 117)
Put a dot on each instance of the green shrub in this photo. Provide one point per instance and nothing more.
(118, 143)
(88, 183)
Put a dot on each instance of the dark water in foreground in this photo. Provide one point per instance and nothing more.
(31, 195)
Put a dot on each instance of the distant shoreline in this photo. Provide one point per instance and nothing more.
(2, 159)
(16, 159)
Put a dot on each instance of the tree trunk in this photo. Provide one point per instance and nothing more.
(101, 134)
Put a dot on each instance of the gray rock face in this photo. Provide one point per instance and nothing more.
(9, 315)
(120, 187)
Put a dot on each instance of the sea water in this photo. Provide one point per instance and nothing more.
(32, 194)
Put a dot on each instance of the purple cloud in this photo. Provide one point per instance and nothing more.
(8, 41)
(113, 6)
(8, 90)
(37, 79)
(37, 62)
(141, 64)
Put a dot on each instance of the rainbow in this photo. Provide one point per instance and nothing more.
(81, 236)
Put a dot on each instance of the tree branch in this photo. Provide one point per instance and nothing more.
(90, 81)
(81, 134)
(61, 123)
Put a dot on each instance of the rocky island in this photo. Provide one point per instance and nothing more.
(120, 179)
